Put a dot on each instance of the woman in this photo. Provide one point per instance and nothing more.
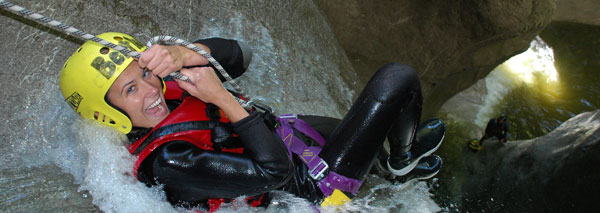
(204, 148)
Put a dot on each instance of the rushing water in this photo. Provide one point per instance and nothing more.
(554, 80)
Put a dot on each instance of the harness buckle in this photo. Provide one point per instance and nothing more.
(318, 172)
(260, 106)
(288, 116)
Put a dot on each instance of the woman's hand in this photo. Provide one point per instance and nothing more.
(163, 60)
(205, 85)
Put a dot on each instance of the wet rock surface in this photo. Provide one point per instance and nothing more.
(578, 11)
(451, 44)
(556, 172)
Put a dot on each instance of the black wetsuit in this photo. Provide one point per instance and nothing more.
(190, 175)
(495, 129)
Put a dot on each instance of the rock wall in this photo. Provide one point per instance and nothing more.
(556, 172)
(578, 11)
(452, 44)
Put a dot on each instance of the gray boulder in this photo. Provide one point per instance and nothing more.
(556, 172)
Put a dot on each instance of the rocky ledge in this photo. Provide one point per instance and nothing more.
(556, 172)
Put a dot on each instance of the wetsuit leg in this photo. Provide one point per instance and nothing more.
(403, 131)
(357, 140)
(323, 125)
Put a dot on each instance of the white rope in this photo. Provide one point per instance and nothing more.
(76, 32)
(200, 51)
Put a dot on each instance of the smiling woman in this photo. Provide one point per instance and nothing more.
(89, 73)
(138, 92)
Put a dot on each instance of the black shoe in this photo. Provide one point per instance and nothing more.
(429, 137)
(380, 167)
(427, 167)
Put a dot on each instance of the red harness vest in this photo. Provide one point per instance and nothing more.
(188, 122)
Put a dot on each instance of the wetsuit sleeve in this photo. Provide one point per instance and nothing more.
(234, 56)
(192, 174)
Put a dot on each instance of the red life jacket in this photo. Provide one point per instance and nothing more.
(189, 122)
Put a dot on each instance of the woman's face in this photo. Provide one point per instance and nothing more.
(139, 94)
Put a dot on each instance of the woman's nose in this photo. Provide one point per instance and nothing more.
(149, 89)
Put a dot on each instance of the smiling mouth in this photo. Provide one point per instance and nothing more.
(156, 109)
(156, 103)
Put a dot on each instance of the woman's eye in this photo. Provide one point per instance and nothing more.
(131, 89)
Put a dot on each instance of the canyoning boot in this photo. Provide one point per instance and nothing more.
(427, 167)
(429, 137)
(475, 146)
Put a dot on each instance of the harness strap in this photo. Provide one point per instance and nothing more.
(336, 181)
(175, 128)
(318, 169)
(303, 127)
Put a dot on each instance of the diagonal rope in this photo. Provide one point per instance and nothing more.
(79, 33)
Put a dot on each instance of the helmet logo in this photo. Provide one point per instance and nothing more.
(73, 100)
(107, 68)
(117, 57)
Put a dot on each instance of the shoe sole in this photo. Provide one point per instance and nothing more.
(422, 178)
(429, 176)
(411, 166)
(379, 166)
(425, 177)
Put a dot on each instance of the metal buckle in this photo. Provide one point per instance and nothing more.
(261, 106)
(321, 173)
(287, 116)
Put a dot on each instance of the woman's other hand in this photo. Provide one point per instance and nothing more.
(205, 85)
(163, 60)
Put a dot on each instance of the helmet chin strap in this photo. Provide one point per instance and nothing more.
(169, 39)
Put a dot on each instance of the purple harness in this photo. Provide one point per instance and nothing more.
(317, 167)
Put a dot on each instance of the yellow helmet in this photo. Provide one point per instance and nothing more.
(88, 74)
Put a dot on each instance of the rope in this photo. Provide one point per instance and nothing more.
(200, 51)
(76, 32)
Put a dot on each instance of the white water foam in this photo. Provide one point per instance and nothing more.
(476, 104)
